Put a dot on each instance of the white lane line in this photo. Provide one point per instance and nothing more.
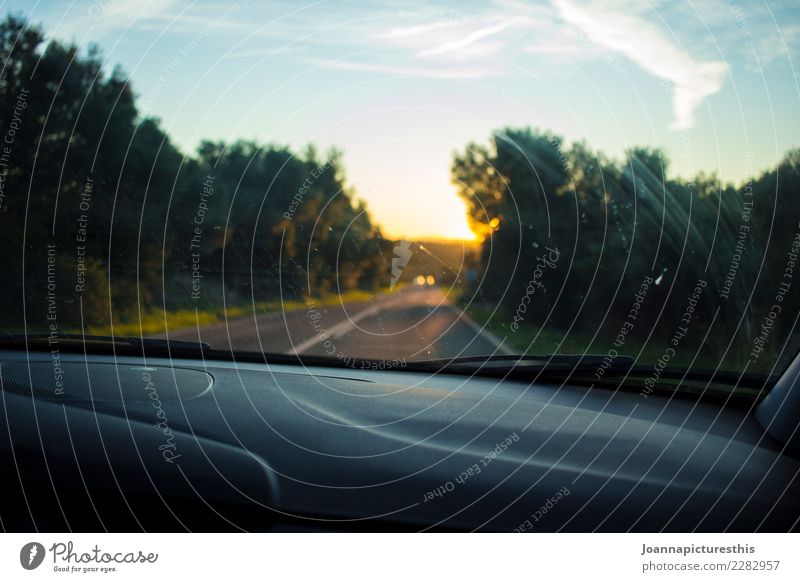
(485, 333)
(343, 327)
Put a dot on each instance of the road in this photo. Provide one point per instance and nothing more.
(412, 323)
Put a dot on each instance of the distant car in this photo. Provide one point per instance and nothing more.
(424, 280)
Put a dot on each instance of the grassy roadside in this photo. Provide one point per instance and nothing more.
(531, 340)
(155, 321)
(527, 339)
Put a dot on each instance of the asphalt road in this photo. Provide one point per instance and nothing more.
(412, 323)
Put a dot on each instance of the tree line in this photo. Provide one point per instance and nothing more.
(100, 212)
(582, 252)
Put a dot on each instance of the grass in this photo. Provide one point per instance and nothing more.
(527, 339)
(532, 340)
(155, 321)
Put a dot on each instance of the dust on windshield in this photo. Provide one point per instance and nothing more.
(380, 184)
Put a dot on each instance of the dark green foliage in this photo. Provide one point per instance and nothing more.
(84, 164)
(616, 223)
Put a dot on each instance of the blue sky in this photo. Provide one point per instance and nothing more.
(400, 86)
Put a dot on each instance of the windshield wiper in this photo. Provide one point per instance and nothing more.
(579, 364)
(38, 339)
(591, 368)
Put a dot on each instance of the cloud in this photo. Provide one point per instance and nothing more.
(466, 41)
(648, 47)
(429, 72)
(775, 44)
(116, 17)
(459, 35)
(122, 14)
(417, 30)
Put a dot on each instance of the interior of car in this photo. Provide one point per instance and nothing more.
(492, 266)
(280, 446)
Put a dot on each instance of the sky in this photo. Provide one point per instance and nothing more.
(399, 87)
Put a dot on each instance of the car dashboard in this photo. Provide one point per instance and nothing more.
(126, 443)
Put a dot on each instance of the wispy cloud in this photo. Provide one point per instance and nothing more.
(112, 17)
(646, 45)
(777, 44)
(420, 29)
(466, 41)
(410, 71)
(122, 14)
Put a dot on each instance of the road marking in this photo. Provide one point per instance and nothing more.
(485, 333)
(343, 327)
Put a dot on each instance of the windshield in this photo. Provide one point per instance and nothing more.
(389, 183)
